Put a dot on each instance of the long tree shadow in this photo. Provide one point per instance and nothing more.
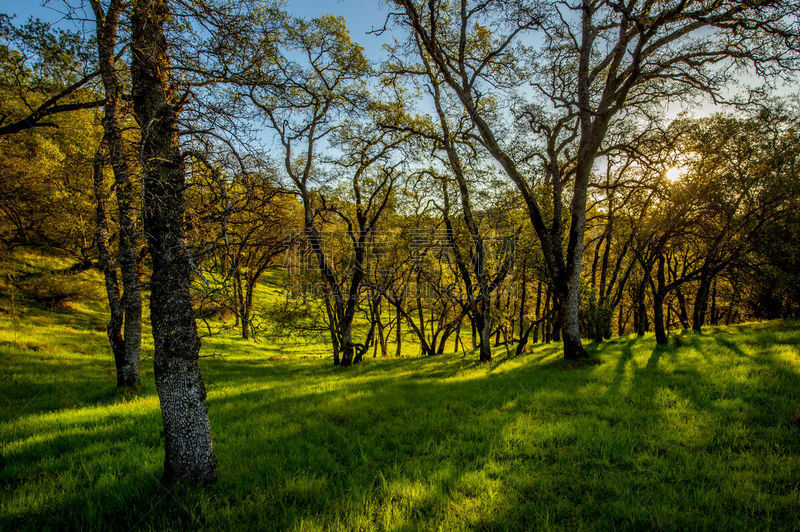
(524, 443)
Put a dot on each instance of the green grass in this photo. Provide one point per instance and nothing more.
(698, 436)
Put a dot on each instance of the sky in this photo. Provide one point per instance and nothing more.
(361, 15)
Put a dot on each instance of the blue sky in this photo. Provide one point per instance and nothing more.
(361, 15)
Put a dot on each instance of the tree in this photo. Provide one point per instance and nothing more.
(47, 70)
(126, 354)
(599, 61)
(189, 455)
(318, 94)
(251, 222)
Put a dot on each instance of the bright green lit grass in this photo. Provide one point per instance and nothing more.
(695, 437)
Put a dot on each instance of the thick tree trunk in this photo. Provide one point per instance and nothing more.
(348, 350)
(245, 327)
(189, 452)
(641, 318)
(332, 326)
(701, 303)
(640, 309)
(571, 329)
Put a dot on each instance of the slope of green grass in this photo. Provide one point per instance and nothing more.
(697, 436)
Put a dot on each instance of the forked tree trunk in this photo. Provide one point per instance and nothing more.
(189, 455)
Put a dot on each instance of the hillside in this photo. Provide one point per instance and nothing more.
(702, 435)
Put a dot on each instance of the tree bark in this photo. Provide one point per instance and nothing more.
(701, 303)
(131, 301)
(484, 330)
(683, 316)
(658, 319)
(381, 331)
(114, 326)
(189, 451)
(399, 334)
(714, 317)
(659, 292)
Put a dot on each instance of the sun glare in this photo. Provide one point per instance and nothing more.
(674, 173)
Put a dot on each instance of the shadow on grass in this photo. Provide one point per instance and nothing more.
(439, 441)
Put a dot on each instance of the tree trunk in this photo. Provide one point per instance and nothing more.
(348, 350)
(701, 303)
(683, 316)
(474, 332)
(245, 327)
(399, 334)
(640, 316)
(714, 317)
(189, 451)
(658, 318)
(571, 327)
(546, 324)
(332, 330)
(247, 308)
(484, 334)
(458, 337)
(114, 326)
(659, 291)
(538, 315)
(382, 336)
(497, 306)
(131, 301)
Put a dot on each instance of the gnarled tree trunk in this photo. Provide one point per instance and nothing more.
(189, 455)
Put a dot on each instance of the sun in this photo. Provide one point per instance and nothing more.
(674, 173)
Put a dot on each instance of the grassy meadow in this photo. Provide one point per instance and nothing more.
(702, 435)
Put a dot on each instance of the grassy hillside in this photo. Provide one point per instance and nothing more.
(704, 435)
